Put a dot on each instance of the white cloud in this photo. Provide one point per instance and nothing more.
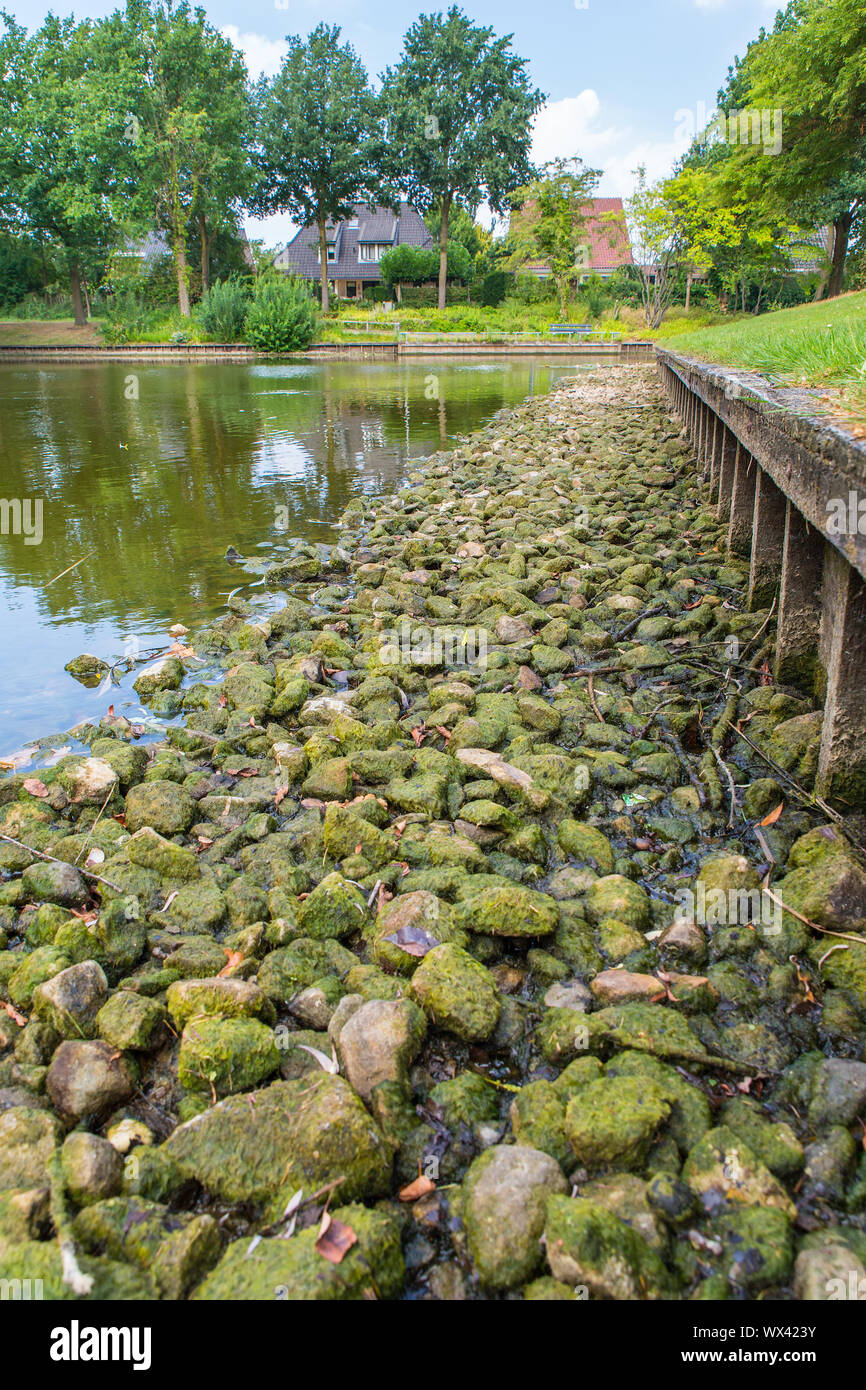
(263, 55)
(573, 126)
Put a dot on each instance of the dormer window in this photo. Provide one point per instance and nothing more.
(352, 224)
(373, 250)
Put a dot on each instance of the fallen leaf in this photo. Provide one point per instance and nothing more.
(13, 1014)
(419, 735)
(35, 787)
(280, 795)
(328, 1064)
(413, 940)
(773, 816)
(222, 701)
(234, 958)
(335, 1241)
(419, 1188)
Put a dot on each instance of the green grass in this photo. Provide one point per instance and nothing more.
(814, 345)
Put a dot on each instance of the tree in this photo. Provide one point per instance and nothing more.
(459, 109)
(551, 221)
(414, 264)
(320, 139)
(191, 122)
(656, 243)
(810, 68)
(65, 163)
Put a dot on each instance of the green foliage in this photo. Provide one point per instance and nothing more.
(410, 265)
(223, 309)
(550, 221)
(459, 106)
(595, 295)
(127, 318)
(282, 315)
(495, 286)
(20, 270)
(320, 135)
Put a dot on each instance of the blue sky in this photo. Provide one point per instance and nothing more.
(624, 79)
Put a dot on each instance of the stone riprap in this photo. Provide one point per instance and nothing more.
(475, 891)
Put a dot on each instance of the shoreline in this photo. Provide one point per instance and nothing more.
(459, 893)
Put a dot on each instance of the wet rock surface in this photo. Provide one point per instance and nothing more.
(472, 897)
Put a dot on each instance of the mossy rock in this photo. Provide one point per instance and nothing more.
(129, 1021)
(586, 845)
(466, 1099)
(504, 1203)
(611, 1123)
(223, 1055)
(590, 1247)
(538, 1120)
(336, 908)
(618, 897)
(457, 993)
(28, 1139)
(288, 970)
(39, 1263)
(513, 911)
(303, 1133)
(722, 1167)
(295, 1271)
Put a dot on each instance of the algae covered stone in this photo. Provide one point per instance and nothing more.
(336, 908)
(611, 1123)
(294, 1270)
(505, 1197)
(303, 1133)
(511, 911)
(588, 1246)
(379, 1042)
(223, 1055)
(457, 993)
(722, 1167)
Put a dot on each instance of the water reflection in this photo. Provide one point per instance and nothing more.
(150, 471)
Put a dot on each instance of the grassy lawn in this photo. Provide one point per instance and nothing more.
(48, 333)
(371, 320)
(814, 345)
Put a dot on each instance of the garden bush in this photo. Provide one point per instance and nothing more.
(223, 310)
(282, 316)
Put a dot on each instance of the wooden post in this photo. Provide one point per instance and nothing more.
(728, 454)
(799, 618)
(768, 539)
(742, 505)
(842, 759)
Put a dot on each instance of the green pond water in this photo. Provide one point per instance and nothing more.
(147, 472)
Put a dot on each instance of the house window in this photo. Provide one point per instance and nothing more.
(332, 254)
(373, 250)
(352, 224)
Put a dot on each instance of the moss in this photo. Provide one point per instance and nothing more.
(224, 1055)
(285, 972)
(293, 1270)
(611, 1123)
(302, 1133)
(620, 898)
(691, 1115)
(589, 1246)
(776, 1145)
(174, 863)
(538, 1119)
(32, 1261)
(28, 1138)
(457, 993)
(586, 845)
(33, 970)
(335, 908)
(513, 911)
(466, 1099)
(722, 1167)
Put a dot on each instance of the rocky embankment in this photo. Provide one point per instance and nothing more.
(471, 932)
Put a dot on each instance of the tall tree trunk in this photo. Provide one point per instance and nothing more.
(205, 254)
(688, 290)
(77, 301)
(323, 253)
(443, 248)
(841, 233)
(182, 277)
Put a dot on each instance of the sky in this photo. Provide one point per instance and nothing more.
(627, 83)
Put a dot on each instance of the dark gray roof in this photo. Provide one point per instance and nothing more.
(376, 224)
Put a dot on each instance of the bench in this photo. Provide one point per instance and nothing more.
(582, 330)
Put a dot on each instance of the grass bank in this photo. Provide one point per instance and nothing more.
(813, 345)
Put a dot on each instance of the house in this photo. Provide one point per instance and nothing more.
(606, 244)
(148, 250)
(355, 247)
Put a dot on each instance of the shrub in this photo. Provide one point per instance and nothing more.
(282, 316)
(126, 319)
(223, 310)
(494, 287)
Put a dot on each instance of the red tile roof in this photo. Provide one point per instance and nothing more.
(605, 231)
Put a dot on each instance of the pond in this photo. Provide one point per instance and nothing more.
(122, 485)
